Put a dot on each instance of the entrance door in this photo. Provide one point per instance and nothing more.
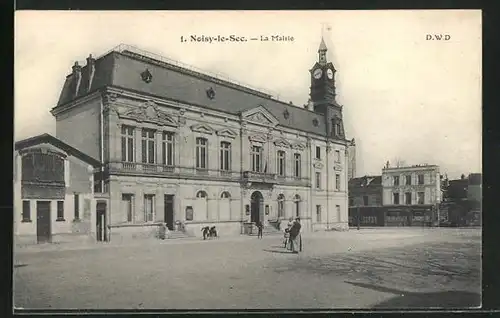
(256, 207)
(43, 232)
(101, 230)
(169, 211)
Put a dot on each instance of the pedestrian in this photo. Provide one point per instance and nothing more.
(259, 227)
(205, 231)
(295, 239)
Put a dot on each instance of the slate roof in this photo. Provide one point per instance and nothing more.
(366, 182)
(49, 139)
(122, 69)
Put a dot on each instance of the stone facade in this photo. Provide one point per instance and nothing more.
(414, 185)
(189, 164)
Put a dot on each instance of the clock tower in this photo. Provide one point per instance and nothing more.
(323, 94)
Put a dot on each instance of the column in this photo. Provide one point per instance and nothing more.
(138, 144)
(159, 148)
(115, 142)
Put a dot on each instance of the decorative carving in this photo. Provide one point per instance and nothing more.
(299, 146)
(318, 165)
(258, 138)
(182, 121)
(260, 115)
(202, 114)
(210, 93)
(286, 114)
(149, 112)
(315, 122)
(202, 128)
(147, 76)
(109, 98)
(309, 141)
(229, 133)
(182, 111)
(328, 148)
(337, 167)
(282, 143)
(226, 119)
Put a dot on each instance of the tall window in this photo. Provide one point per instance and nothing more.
(281, 163)
(148, 145)
(168, 148)
(420, 179)
(149, 207)
(77, 206)
(297, 200)
(127, 206)
(395, 198)
(365, 200)
(337, 155)
(318, 180)
(396, 180)
(201, 153)
(60, 211)
(297, 164)
(408, 198)
(408, 180)
(225, 156)
(421, 197)
(337, 182)
(256, 158)
(318, 152)
(281, 206)
(337, 128)
(128, 143)
(26, 215)
(318, 213)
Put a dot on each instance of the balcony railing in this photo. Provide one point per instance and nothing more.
(259, 177)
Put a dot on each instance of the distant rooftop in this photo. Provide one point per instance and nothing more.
(425, 165)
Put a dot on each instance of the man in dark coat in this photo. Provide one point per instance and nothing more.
(295, 245)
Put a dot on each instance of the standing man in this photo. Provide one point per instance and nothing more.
(295, 245)
(259, 226)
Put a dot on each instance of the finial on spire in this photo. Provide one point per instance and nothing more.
(322, 46)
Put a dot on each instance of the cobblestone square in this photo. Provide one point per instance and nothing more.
(370, 268)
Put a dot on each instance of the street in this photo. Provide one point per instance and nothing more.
(370, 268)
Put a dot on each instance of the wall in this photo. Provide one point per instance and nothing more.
(80, 127)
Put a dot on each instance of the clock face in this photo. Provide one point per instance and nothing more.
(329, 73)
(317, 73)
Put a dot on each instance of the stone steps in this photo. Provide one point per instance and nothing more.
(177, 235)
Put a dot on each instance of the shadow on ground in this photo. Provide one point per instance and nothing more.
(404, 299)
(416, 268)
(282, 251)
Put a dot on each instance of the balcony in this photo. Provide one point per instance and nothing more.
(259, 177)
(162, 171)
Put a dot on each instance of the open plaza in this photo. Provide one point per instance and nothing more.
(369, 268)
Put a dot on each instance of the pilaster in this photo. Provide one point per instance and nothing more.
(138, 144)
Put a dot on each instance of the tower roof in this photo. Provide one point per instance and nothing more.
(322, 45)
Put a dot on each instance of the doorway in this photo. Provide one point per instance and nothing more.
(256, 207)
(101, 230)
(169, 211)
(43, 232)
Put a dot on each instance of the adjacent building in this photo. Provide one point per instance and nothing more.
(411, 194)
(190, 149)
(53, 193)
(365, 201)
(351, 159)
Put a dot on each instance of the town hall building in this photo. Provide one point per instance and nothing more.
(188, 149)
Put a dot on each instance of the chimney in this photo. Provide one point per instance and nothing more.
(310, 105)
(77, 77)
(90, 70)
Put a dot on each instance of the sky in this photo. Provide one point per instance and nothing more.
(404, 97)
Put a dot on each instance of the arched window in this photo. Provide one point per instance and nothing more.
(225, 195)
(296, 202)
(281, 206)
(201, 194)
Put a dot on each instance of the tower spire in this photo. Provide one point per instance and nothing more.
(322, 52)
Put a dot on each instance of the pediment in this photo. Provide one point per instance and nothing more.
(259, 115)
(149, 112)
(299, 146)
(202, 128)
(282, 143)
(258, 138)
(228, 133)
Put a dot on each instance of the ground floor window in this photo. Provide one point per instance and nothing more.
(127, 206)
(26, 214)
(281, 206)
(149, 207)
(60, 211)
